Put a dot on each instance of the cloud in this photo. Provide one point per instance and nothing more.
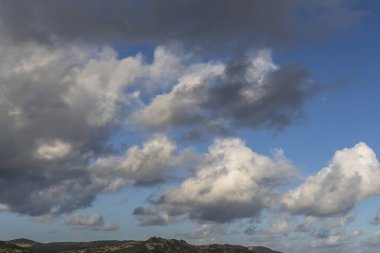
(3, 207)
(209, 231)
(376, 219)
(323, 227)
(215, 24)
(60, 106)
(55, 149)
(336, 240)
(280, 226)
(58, 109)
(145, 165)
(349, 178)
(294, 233)
(92, 222)
(248, 92)
(64, 92)
(231, 182)
(153, 217)
(370, 244)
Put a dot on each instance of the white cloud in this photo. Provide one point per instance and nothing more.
(350, 177)
(181, 103)
(53, 150)
(143, 165)
(99, 83)
(4, 207)
(231, 182)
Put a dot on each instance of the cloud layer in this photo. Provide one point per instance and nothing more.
(215, 24)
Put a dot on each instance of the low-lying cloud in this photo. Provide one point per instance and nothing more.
(93, 222)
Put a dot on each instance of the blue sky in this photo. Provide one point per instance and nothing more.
(244, 122)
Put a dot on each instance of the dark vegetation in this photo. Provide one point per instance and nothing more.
(153, 245)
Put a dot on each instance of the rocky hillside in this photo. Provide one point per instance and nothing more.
(153, 245)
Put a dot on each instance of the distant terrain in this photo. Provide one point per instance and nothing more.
(153, 245)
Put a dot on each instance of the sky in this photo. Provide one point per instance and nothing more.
(242, 122)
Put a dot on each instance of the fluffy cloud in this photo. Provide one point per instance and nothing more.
(247, 92)
(58, 107)
(92, 222)
(53, 150)
(231, 182)
(350, 177)
(146, 165)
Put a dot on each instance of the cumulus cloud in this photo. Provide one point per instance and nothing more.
(349, 178)
(231, 182)
(145, 165)
(248, 92)
(64, 91)
(59, 107)
(92, 222)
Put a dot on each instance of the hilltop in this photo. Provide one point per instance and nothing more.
(153, 245)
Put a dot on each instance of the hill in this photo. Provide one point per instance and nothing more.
(153, 245)
(24, 243)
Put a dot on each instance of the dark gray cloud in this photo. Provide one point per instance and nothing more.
(248, 92)
(56, 116)
(280, 96)
(215, 24)
(43, 140)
